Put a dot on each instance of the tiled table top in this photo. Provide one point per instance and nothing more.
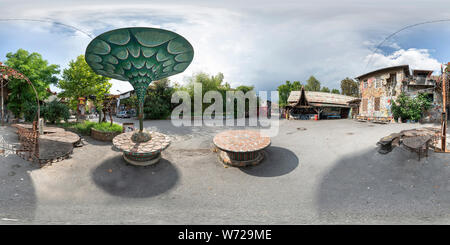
(241, 141)
(158, 143)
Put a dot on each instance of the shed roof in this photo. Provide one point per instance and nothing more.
(320, 98)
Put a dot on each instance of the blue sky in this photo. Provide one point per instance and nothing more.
(260, 43)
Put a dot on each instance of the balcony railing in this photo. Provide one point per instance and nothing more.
(422, 81)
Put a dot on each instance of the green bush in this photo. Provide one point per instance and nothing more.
(52, 112)
(55, 111)
(406, 107)
(157, 103)
(107, 127)
(30, 111)
(83, 128)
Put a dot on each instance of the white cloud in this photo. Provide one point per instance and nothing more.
(261, 43)
(415, 58)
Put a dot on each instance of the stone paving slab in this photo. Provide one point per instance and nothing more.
(62, 136)
(158, 143)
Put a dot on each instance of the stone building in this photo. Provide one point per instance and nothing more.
(381, 87)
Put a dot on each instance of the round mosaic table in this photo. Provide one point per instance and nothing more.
(141, 153)
(241, 148)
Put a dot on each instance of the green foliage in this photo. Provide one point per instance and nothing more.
(312, 84)
(244, 88)
(213, 83)
(83, 128)
(209, 83)
(285, 89)
(350, 87)
(325, 89)
(335, 91)
(406, 107)
(157, 103)
(40, 74)
(131, 101)
(55, 111)
(52, 112)
(79, 80)
(107, 127)
(30, 111)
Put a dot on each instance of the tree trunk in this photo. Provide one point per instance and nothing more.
(110, 117)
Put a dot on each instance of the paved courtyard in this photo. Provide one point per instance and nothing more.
(315, 172)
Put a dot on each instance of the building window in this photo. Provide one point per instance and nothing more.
(364, 104)
(365, 83)
(377, 104)
(377, 82)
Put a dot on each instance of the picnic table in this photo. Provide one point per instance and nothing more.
(418, 144)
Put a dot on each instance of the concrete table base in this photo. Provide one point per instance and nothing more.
(226, 158)
(143, 153)
(151, 161)
(240, 148)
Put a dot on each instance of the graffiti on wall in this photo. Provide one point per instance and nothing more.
(382, 86)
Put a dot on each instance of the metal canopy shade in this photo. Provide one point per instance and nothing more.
(139, 55)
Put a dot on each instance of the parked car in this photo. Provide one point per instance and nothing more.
(132, 113)
(123, 114)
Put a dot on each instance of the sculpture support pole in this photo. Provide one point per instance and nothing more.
(141, 116)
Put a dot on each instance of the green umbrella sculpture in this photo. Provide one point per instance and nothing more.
(139, 55)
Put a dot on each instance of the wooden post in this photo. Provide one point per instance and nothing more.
(3, 111)
(444, 113)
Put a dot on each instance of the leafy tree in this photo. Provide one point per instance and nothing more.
(350, 87)
(39, 72)
(296, 86)
(285, 89)
(213, 83)
(157, 103)
(79, 80)
(53, 112)
(244, 88)
(283, 93)
(335, 91)
(312, 84)
(406, 107)
(56, 111)
(30, 111)
(209, 83)
(325, 89)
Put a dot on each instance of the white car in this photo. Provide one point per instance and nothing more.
(122, 114)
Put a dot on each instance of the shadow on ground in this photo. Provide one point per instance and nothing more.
(117, 178)
(17, 191)
(92, 141)
(394, 187)
(278, 161)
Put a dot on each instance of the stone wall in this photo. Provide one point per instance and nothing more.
(386, 91)
(103, 136)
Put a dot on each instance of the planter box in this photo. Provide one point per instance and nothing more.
(103, 136)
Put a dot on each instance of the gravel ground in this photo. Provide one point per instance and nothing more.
(315, 172)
